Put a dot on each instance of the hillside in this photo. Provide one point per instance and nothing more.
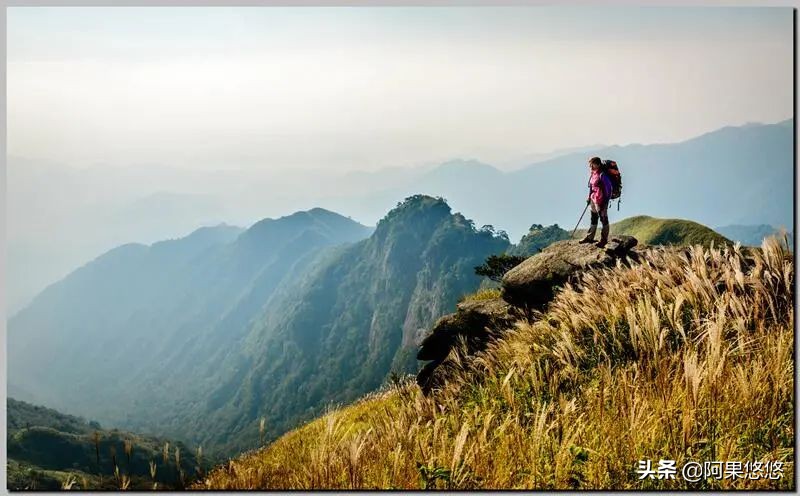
(159, 319)
(349, 323)
(47, 449)
(647, 230)
(686, 356)
(538, 238)
(206, 339)
(652, 231)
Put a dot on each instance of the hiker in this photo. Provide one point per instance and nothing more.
(600, 189)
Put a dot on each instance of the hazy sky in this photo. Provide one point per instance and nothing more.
(372, 87)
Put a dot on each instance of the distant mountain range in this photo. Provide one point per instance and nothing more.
(126, 336)
(734, 175)
(351, 321)
(200, 337)
(754, 235)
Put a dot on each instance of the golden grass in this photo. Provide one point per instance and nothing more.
(483, 294)
(688, 356)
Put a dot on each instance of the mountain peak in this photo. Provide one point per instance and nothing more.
(458, 166)
(416, 207)
(326, 221)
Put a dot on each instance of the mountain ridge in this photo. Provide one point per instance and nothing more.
(575, 397)
(364, 306)
(691, 179)
(155, 312)
(250, 320)
(508, 200)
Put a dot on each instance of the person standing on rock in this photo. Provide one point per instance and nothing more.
(599, 196)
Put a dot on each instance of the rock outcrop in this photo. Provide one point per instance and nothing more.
(530, 285)
(475, 323)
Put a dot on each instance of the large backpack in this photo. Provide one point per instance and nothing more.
(611, 170)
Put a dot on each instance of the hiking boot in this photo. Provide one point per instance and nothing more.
(603, 237)
(589, 234)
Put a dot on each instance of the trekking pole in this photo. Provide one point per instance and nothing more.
(579, 220)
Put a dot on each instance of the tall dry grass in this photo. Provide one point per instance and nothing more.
(687, 356)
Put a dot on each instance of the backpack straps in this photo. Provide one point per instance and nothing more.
(602, 186)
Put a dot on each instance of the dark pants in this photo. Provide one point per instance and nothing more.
(599, 212)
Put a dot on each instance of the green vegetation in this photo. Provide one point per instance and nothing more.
(687, 356)
(648, 230)
(538, 238)
(47, 450)
(351, 322)
(653, 231)
(204, 337)
(139, 336)
(21, 415)
(496, 266)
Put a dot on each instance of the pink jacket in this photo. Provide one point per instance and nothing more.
(599, 188)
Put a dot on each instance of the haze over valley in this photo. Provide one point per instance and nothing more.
(347, 234)
(54, 226)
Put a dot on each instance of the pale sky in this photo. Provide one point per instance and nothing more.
(363, 88)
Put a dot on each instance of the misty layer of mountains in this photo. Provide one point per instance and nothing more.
(732, 176)
(200, 337)
(60, 219)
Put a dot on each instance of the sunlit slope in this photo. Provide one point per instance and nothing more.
(653, 231)
(681, 357)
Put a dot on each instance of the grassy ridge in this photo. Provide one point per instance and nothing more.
(687, 356)
(654, 231)
(648, 230)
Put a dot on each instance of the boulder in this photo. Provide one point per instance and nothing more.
(621, 245)
(532, 283)
(529, 285)
(473, 320)
(428, 378)
(476, 322)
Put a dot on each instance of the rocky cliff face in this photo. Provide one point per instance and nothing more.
(348, 324)
(526, 288)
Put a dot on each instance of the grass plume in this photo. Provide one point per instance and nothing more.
(686, 356)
